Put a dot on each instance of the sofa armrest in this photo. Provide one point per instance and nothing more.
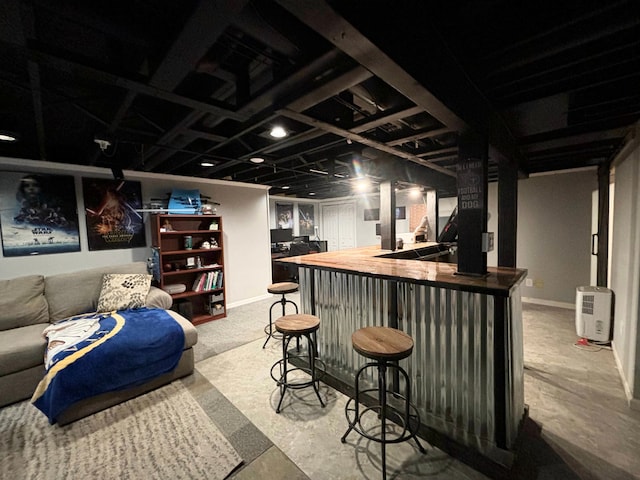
(157, 298)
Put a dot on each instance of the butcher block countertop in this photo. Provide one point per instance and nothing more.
(367, 261)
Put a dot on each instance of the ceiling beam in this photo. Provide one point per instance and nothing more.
(419, 136)
(328, 89)
(365, 141)
(24, 18)
(320, 17)
(139, 87)
(612, 134)
(206, 24)
(390, 117)
(266, 99)
(478, 112)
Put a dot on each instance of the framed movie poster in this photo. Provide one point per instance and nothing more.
(38, 214)
(284, 215)
(110, 209)
(305, 219)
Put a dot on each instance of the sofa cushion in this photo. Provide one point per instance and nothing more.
(22, 348)
(157, 298)
(190, 332)
(123, 290)
(78, 292)
(22, 302)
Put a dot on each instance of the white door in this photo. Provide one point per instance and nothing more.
(338, 226)
(331, 227)
(347, 215)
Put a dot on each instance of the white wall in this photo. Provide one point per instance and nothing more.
(625, 273)
(244, 209)
(554, 233)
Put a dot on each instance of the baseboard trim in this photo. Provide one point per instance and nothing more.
(634, 403)
(549, 303)
(246, 301)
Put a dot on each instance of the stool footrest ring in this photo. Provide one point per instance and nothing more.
(392, 414)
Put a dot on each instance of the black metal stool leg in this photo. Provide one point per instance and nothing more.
(312, 366)
(382, 385)
(283, 378)
(270, 333)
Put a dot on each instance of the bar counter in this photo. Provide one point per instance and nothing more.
(466, 369)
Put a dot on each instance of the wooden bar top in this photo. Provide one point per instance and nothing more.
(366, 261)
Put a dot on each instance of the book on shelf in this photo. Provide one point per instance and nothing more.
(219, 279)
(198, 282)
(210, 279)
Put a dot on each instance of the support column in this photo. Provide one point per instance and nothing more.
(431, 200)
(603, 225)
(387, 215)
(507, 214)
(472, 173)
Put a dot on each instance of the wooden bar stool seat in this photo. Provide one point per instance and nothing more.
(385, 346)
(296, 326)
(281, 288)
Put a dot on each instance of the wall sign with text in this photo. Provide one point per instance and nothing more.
(470, 184)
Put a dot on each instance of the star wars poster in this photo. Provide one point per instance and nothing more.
(306, 220)
(112, 219)
(38, 214)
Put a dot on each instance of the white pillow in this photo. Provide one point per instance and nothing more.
(123, 290)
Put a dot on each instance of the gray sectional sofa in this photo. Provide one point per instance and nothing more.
(30, 303)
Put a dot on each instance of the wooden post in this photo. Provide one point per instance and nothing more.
(603, 225)
(507, 214)
(387, 216)
(472, 174)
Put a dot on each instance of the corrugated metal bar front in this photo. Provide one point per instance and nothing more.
(515, 358)
(452, 363)
(452, 368)
(344, 303)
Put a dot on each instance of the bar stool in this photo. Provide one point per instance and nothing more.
(281, 288)
(296, 326)
(383, 345)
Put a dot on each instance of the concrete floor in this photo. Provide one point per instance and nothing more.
(579, 425)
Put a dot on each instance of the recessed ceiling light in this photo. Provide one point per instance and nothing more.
(8, 137)
(321, 172)
(286, 187)
(256, 159)
(415, 192)
(278, 132)
(206, 164)
(362, 185)
(312, 193)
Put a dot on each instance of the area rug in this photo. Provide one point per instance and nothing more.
(163, 434)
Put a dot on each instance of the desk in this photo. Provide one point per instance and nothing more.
(280, 272)
(286, 272)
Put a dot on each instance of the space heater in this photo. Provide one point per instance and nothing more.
(593, 313)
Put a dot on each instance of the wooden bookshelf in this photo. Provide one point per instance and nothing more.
(179, 264)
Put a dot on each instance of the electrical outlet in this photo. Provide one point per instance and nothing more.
(528, 282)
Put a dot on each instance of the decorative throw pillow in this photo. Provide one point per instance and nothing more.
(123, 290)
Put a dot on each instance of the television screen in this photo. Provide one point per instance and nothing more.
(281, 235)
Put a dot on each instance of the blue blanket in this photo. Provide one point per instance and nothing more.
(115, 351)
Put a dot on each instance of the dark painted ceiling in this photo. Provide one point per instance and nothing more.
(363, 88)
